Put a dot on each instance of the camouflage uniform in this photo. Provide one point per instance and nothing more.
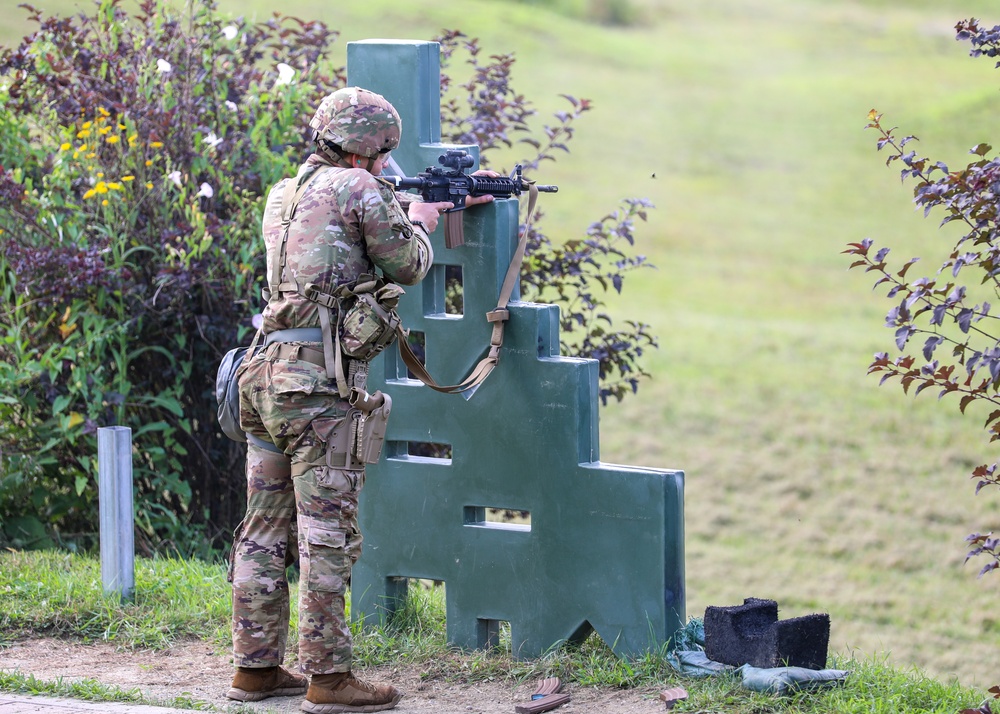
(346, 224)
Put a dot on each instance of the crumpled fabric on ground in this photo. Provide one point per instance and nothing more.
(785, 680)
(689, 659)
(695, 663)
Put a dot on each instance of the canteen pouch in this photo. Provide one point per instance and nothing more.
(227, 393)
(369, 322)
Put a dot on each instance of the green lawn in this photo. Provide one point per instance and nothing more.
(806, 483)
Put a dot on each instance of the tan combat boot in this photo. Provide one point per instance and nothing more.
(343, 692)
(254, 684)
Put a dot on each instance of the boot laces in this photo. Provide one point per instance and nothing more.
(362, 685)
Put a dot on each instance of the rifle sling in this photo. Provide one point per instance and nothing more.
(498, 317)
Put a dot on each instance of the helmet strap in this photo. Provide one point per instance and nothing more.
(332, 152)
(369, 162)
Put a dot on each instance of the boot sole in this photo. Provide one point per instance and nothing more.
(312, 708)
(241, 695)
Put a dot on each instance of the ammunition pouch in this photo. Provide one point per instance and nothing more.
(369, 321)
(365, 323)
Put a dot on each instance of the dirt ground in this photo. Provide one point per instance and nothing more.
(194, 670)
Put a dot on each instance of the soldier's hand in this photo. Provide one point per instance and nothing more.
(473, 200)
(428, 213)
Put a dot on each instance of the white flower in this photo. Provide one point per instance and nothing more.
(229, 31)
(212, 140)
(231, 105)
(285, 74)
(175, 176)
(205, 191)
(163, 66)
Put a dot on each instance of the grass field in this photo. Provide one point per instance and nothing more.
(49, 592)
(806, 483)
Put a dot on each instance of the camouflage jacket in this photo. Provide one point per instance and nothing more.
(347, 223)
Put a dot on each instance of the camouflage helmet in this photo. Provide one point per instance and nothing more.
(358, 121)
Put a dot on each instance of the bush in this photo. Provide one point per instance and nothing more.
(578, 273)
(135, 152)
(946, 335)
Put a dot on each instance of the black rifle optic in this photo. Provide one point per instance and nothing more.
(449, 183)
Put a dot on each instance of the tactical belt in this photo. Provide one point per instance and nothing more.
(295, 334)
(357, 371)
(288, 351)
(292, 353)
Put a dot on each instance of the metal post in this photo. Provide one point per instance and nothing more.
(114, 464)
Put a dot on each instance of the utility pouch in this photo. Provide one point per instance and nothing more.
(227, 393)
(368, 427)
(369, 321)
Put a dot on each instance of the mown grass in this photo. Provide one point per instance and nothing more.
(60, 594)
(805, 482)
(44, 593)
(93, 690)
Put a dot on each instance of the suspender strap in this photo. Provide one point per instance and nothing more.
(290, 197)
(498, 317)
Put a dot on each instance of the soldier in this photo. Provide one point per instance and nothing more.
(332, 224)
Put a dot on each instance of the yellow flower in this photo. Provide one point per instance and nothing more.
(104, 130)
(100, 174)
(90, 155)
(121, 126)
(90, 194)
(149, 162)
(149, 185)
(81, 147)
(101, 187)
(115, 186)
(66, 147)
(104, 202)
(156, 144)
(83, 133)
(104, 112)
(87, 125)
(131, 139)
(112, 140)
(128, 178)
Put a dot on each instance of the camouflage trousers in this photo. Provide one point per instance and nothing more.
(293, 497)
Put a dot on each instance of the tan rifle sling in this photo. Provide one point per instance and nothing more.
(498, 317)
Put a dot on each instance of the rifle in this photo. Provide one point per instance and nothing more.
(449, 182)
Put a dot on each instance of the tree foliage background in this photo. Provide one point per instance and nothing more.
(945, 326)
(135, 152)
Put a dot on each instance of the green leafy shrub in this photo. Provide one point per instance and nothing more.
(135, 152)
(946, 331)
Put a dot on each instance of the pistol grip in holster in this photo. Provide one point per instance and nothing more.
(369, 419)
